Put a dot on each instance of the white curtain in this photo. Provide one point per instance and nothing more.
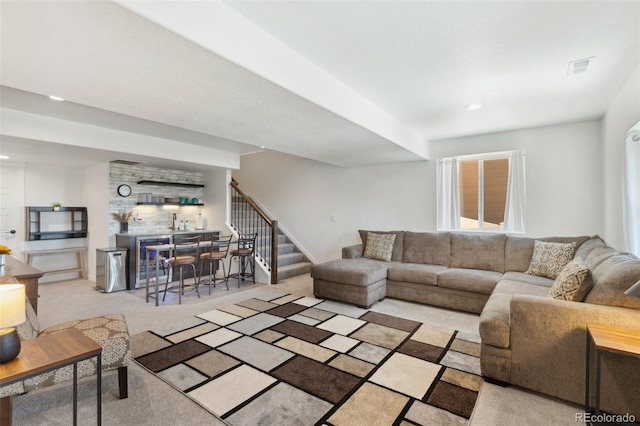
(631, 204)
(448, 195)
(514, 211)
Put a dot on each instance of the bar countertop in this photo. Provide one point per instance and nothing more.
(167, 232)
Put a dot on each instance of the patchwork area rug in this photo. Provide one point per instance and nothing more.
(281, 359)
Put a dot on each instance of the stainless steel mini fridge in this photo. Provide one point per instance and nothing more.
(111, 269)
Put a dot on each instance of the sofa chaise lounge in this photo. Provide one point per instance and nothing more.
(529, 338)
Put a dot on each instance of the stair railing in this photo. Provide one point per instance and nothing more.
(248, 218)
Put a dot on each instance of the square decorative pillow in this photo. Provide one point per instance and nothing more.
(549, 258)
(573, 283)
(379, 246)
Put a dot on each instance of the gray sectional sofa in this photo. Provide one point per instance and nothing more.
(528, 338)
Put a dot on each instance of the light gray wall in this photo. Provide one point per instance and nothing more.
(564, 190)
(621, 115)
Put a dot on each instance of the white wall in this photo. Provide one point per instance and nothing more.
(45, 185)
(215, 195)
(96, 196)
(48, 184)
(563, 174)
(621, 115)
(564, 191)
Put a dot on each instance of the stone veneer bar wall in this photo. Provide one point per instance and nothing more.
(153, 219)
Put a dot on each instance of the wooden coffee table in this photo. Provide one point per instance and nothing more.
(50, 352)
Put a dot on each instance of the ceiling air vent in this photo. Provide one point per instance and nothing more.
(125, 162)
(580, 66)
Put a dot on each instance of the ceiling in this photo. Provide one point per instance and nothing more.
(347, 83)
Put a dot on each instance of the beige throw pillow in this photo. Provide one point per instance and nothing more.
(573, 283)
(379, 246)
(549, 258)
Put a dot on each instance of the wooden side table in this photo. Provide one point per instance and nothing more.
(612, 340)
(50, 352)
(25, 274)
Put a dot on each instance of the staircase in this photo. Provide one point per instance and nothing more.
(291, 262)
(247, 218)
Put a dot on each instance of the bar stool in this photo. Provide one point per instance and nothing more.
(246, 257)
(218, 251)
(183, 243)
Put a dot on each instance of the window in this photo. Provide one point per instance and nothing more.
(484, 192)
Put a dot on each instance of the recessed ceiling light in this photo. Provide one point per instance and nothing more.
(56, 98)
(261, 146)
(473, 107)
(4, 157)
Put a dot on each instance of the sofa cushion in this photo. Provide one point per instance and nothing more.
(518, 287)
(588, 246)
(478, 251)
(612, 278)
(415, 273)
(519, 250)
(352, 252)
(573, 283)
(379, 246)
(599, 255)
(472, 280)
(431, 248)
(397, 244)
(549, 258)
(495, 328)
(517, 253)
(529, 279)
(494, 321)
(360, 272)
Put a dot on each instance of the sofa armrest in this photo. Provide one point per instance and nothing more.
(352, 252)
(548, 350)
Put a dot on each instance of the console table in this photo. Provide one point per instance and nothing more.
(47, 353)
(25, 274)
(79, 252)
